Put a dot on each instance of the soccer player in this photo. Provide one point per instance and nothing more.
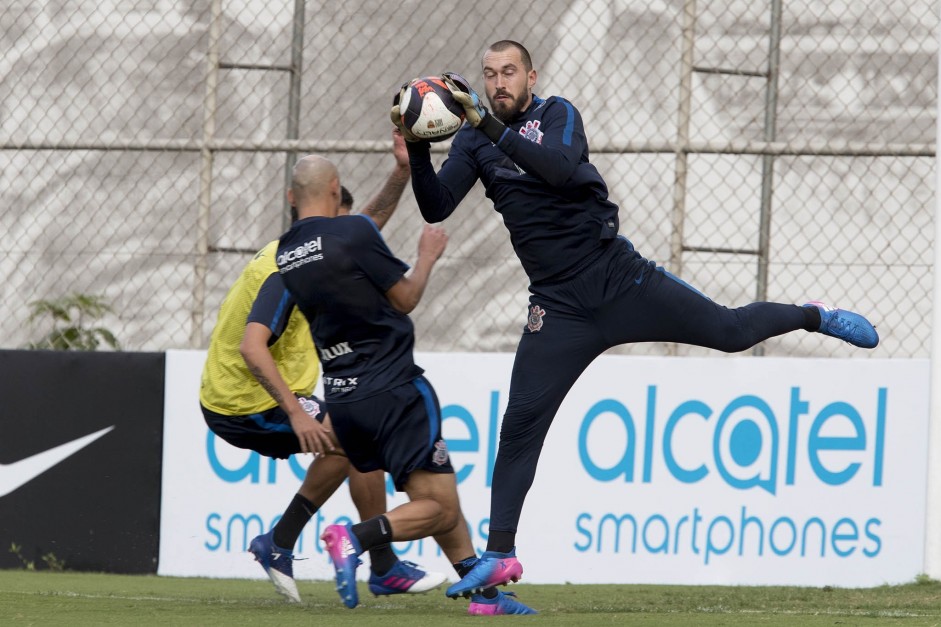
(256, 389)
(589, 289)
(356, 296)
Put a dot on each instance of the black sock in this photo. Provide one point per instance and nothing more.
(811, 318)
(382, 559)
(292, 522)
(464, 566)
(373, 532)
(501, 541)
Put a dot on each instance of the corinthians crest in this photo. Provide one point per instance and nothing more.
(440, 455)
(531, 131)
(534, 321)
(310, 405)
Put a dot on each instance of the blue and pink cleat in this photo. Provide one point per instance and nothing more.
(405, 578)
(492, 569)
(845, 325)
(503, 603)
(344, 550)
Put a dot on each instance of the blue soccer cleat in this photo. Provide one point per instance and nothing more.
(845, 325)
(344, 550)
(278, 563)
(492, 569)
(405, 578)
(503, 603)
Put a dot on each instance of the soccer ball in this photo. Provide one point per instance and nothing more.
(429, 111)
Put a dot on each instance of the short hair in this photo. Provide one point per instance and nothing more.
(504, 44)
(346, 198)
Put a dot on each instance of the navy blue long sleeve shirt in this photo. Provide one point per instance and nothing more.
(553, 201)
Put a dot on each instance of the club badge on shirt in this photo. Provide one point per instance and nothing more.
(310, 405)
(534, 321)
(440, 455)
(531, 131)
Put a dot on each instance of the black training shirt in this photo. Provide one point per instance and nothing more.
(553, 201)
(338, 270)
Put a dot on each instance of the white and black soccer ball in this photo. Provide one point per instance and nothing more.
(429, 111)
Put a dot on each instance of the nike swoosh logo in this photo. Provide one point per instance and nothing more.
(17, 474)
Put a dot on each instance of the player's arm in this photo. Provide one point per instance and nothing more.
(313, 437)
(407, 292)
(269, 315)
(381, 206)
(438, 194)
(555, 159)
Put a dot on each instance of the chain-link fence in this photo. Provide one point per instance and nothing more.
(759, 149)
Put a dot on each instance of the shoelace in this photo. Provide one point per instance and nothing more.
(848, 329)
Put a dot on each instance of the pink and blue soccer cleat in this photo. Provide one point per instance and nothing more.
(405, 578)
(278, 563)
(492, 569)
(845, 325)
(344, 550)
(503, 603)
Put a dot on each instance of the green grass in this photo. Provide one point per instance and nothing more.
(71, 598)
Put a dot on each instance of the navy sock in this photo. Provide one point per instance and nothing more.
(373, 532)
(382, 559)
(811, 318)
(292, 522)
(501, 541)
(464, 566)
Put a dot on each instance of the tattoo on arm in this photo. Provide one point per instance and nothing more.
(383, 204)
(265, 383)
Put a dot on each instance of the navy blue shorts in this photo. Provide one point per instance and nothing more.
(398, 431)
(268, 432)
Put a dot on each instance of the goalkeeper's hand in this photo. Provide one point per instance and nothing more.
(396, 114)
(475, 113)
(464, 95)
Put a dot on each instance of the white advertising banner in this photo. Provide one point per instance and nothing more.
(656, 470)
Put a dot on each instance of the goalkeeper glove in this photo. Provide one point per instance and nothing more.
(396, 114)
(475, 112)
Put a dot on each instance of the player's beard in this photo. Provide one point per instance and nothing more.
(507, 111)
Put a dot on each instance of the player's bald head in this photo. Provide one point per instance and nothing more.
(314, 179)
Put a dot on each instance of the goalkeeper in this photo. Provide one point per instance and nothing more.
(589, 289)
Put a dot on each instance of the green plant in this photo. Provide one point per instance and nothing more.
(70, 315)
(17, 550)
(51, 561)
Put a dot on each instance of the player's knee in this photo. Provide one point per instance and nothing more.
(733, 335)
(522, 429)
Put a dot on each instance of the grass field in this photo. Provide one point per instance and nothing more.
(71, 598)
